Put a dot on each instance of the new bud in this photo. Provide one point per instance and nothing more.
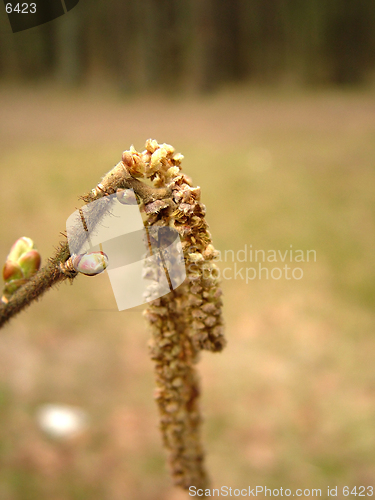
(90, 264)
(12, 271)
(22, 262)
(126, 197)
(21, 246)
(30, 262)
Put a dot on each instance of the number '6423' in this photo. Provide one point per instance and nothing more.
(360, 491)
(21, 8)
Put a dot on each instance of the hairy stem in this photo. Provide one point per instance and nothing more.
(42, 281)
(58, 267)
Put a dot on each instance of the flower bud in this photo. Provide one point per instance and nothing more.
(90, 264)
(22, 262)
(126, 197)
(21, 246)
(30, 262)
(12, 271)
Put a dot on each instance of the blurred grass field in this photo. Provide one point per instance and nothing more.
(291, 401)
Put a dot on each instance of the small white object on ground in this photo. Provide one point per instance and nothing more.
(61, 421)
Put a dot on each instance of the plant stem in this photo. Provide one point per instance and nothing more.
(59, 267)
(42, 281)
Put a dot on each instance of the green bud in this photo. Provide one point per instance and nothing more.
(30, 263)
(21, 246)
(22, 262)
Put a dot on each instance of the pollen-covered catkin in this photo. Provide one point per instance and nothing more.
(186, 214)
(186, 320)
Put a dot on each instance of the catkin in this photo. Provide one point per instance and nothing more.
(186, 320)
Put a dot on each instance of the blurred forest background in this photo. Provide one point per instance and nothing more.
(198, 44)
(272, 103)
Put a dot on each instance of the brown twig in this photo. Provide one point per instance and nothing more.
(58, 267)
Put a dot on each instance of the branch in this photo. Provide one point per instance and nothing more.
(59, 267)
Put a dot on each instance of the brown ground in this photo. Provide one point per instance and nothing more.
(291, 402)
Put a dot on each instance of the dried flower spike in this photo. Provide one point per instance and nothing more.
(186, 320)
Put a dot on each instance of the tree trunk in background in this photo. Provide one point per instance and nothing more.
(200, 73)
(8, 49)
(68, 50)
(195, 45)
(351, 40)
